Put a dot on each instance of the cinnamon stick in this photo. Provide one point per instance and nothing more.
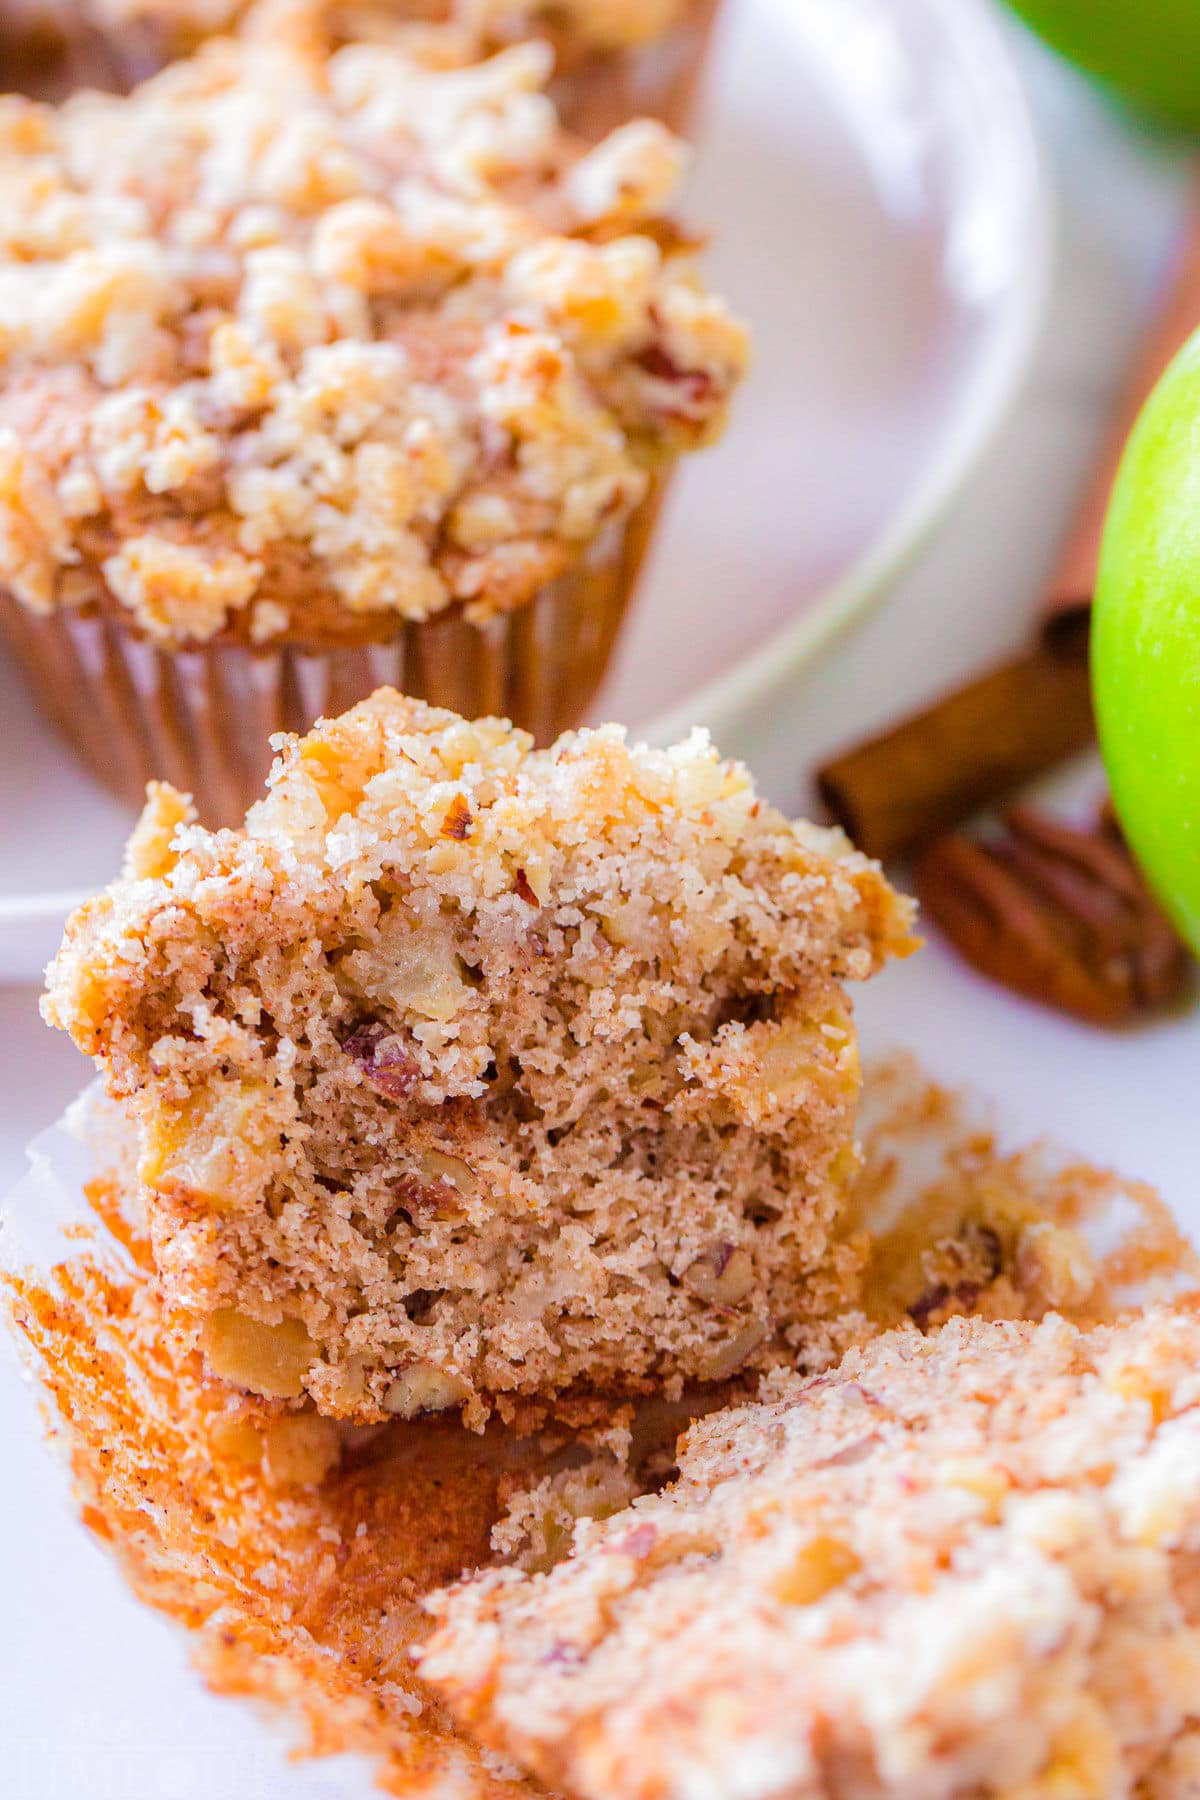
(935, 770)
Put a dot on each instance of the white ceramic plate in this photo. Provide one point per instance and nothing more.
(870, 173)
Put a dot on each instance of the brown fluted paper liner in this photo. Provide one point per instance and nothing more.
(46, 51)
(660, 79)
(134, 712)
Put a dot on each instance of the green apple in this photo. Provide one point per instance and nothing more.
(1147, 50)
(1146, 641)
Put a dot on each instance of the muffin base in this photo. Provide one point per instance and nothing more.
(201, 718)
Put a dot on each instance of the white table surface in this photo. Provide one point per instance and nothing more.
(95, 1698)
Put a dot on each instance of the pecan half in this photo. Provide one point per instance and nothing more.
(1057, 913)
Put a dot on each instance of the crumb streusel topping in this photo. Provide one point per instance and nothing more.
(469, 1070)
(290, 341)
(959, 1566)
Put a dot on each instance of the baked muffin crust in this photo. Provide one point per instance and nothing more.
(296, 345)
(469, 1071)
(958, 1567)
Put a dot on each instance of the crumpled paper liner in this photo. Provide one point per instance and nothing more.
(201, 718)
(310, 1598)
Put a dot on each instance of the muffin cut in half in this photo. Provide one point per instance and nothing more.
(959, 1566)
(467, 1069)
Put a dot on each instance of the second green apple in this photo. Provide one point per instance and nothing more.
(1146, 641)
(1146, 50)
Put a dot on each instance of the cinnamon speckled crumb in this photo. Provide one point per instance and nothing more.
(958, 1566)
(468, 1070)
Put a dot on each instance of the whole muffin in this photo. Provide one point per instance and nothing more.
(614, 58)
(323, 371)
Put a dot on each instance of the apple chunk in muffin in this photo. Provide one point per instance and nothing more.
(467, 1070)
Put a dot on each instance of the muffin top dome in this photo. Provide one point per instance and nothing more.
(296, 343)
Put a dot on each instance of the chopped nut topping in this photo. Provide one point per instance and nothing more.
(999, 1601)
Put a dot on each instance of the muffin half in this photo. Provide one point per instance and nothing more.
(318, 372)
(469, 1072)
(961, 1565)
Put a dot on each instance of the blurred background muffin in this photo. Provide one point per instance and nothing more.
(318, 372)
(614, 59)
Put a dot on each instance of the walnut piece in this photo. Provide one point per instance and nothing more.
(723, 1275)
(422, 1388)
(729, 1356)
(384, 1061)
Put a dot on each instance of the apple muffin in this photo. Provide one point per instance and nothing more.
(468, 1070)
(958, 1566)
(324, 371)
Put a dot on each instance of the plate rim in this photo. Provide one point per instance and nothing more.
(722, 705)
(756, 679)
